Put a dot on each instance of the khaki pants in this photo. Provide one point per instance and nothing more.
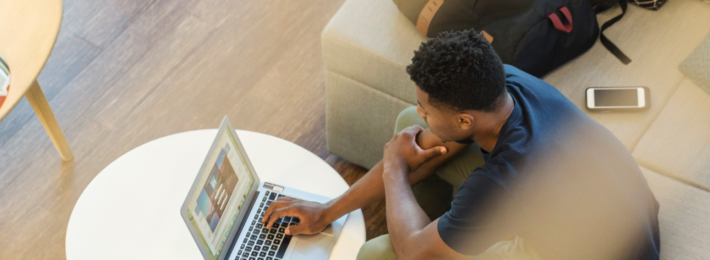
(434, 195)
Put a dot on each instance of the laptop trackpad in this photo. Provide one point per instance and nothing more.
(315, 247)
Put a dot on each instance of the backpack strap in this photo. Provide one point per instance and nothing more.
(608, 44)
(601, 6)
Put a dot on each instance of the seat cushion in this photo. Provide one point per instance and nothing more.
(657, 42)
(683, 217)
(697, 65)
(678, 142)
(371, 42)
(359, 119)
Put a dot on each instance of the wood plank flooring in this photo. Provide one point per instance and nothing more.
(124, 72)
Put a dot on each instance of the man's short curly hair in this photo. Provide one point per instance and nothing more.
(460, 71)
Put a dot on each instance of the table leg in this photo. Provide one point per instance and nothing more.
(39, 103)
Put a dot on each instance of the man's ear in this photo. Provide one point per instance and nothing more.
(465, 120)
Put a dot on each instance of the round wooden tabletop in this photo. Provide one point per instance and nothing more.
(28, 31)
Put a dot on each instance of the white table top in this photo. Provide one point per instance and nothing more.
(131, 210)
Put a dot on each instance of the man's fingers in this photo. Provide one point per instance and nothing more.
(274, 206)
(433, 152)
(297, 230)
(275, 216)
(282, 212)
(413, 129)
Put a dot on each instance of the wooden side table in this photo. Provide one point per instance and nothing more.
(28, 31)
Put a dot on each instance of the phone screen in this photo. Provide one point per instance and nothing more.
(615, 97)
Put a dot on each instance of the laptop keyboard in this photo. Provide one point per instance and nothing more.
(261, 243)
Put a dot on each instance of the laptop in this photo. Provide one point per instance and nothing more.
(225, 205)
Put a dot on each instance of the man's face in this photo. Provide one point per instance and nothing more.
(443, 123)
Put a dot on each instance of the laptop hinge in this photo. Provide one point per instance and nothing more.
(273, 187)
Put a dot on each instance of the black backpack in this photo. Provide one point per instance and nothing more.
(536, 36)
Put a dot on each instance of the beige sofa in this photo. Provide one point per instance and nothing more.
(368, 44)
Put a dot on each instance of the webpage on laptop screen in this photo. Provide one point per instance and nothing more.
(225, 183)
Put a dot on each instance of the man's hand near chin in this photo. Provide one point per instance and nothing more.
(403, 149)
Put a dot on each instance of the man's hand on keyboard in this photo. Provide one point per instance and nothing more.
(312, 215)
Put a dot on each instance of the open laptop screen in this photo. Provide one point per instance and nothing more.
(222, 192)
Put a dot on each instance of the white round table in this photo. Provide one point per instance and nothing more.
(131, 210)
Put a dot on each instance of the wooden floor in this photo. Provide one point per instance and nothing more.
(124, 72)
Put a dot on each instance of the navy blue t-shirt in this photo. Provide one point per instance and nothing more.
(559, 180)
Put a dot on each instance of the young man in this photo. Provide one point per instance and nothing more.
(533, 176)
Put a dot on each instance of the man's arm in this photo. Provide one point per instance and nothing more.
(370, 188)
(413, 234)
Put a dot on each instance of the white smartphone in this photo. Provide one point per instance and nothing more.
(618, 98)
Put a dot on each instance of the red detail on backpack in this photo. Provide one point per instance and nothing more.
(558, 23)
